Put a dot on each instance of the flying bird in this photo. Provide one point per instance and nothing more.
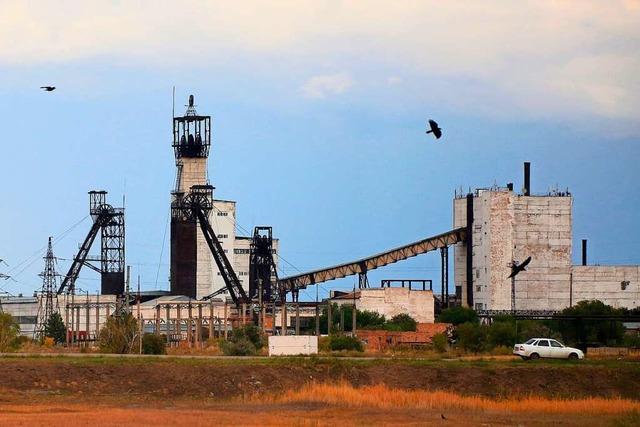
(48, 88)
(515, 268)
(434, 129)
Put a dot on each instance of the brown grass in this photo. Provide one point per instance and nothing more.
(345, 395)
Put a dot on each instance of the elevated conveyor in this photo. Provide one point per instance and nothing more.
(301, 281)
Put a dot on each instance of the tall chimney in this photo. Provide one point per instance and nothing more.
(584, 251)
(527, 178)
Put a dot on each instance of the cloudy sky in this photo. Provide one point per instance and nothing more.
(319, 111)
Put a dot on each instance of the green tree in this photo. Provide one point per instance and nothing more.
(119, 334)
(458, 315)
(471, 336)
(55, 328)
(401, 322)
(581, 330)
(502, 334)
(9, 331)
(369, 320)
(536, 329)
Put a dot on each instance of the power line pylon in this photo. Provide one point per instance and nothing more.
(49, 296)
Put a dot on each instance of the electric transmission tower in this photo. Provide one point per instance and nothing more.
(49, 296)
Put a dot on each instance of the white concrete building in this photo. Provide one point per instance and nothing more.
(508, 227)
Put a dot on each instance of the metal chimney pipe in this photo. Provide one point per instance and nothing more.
(527, 178)
(584, 251)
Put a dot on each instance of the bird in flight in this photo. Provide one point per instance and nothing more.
(515, 268)
(48, 88)
(434, 129)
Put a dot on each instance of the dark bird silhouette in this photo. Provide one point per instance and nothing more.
(515, 268)
(434, 129)
(443, 417)
(48, 88)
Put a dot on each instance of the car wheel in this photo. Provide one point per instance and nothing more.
(534, 356)
(573, 356)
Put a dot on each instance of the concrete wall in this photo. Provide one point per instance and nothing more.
(607, 284)
(293, 345)
(510, 227)
(390, 302)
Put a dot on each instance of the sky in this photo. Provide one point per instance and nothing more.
(319, 112)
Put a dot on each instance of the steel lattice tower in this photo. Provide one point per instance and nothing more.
(49, 295)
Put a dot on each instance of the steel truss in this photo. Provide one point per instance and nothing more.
(197, 205)
(111, 222)
(361, 266)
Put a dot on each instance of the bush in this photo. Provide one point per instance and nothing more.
(154, 344)
(440, 343)
(401, 322)
(345, 342)
(9, 331)
(471, 337)
(119, 334)
(244, 341)
(502, 334)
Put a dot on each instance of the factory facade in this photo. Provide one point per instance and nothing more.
(506, 228)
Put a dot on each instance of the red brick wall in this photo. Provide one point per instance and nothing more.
(380, 340)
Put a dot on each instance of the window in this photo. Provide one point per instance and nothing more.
(478, 288)
(543, 343)
(222, 236)
(240, 251)
(478, 306)
(477, 274)
(226, 251)
(555, 344)
(223, 213)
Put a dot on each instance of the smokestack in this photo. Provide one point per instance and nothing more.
(584, 251)
(527, 178)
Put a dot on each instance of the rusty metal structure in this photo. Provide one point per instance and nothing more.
(190, 210)
(362, 266)
(109, 221)
(263, 275)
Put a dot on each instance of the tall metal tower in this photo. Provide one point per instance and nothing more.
(49, 295)
(190, 259)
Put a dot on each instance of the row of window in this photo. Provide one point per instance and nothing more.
(222, 236)
(247, 251)
(223, 213)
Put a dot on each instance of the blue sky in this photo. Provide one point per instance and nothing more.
(319, 112)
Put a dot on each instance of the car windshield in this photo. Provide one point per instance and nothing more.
(531, 341)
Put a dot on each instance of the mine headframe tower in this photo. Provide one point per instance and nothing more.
(195, 207)
(49, 297)
(263, 275)
(109, 221)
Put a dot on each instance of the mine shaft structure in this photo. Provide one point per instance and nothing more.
(263, 274)
(49, 297)
(109, 223)
(192, 253)
(194, 209)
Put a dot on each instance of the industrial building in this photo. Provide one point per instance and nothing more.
(504, 229)
(217, 277)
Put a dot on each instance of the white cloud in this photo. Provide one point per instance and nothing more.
(319, 87)
(535, 55)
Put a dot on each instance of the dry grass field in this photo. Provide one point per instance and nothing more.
(268, 392)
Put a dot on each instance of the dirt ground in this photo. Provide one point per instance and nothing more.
(47, 391)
